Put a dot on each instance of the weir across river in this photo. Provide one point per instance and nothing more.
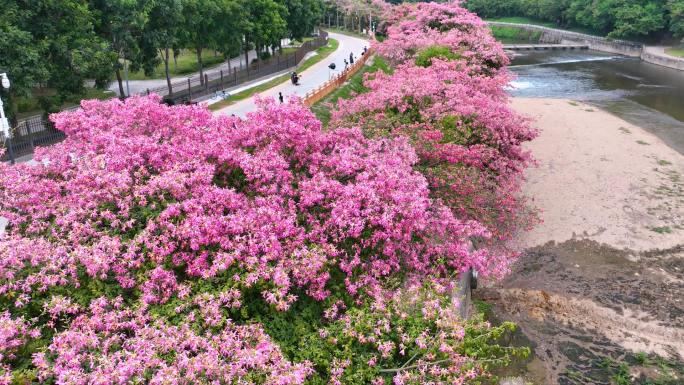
(533, 47)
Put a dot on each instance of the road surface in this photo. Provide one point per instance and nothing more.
(138, 86)
(311, 78)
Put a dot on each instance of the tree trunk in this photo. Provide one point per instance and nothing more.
(118, 78)
(175, 62)
(13, 120)
(198, 48)
(166, 67)
(229, 67)
(246, 52)
(215, 54)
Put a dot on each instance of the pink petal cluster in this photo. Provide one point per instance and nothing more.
(417, 330)
(111, 344)
(154, 199)
(454, 110)
(137, 248)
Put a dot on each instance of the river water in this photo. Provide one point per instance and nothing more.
(641, 93)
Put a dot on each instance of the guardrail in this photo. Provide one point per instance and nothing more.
(569, 33)
(322, 91)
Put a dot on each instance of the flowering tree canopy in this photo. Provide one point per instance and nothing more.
(446, 94)
(164, 245)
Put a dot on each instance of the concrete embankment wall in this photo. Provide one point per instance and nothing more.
(555, 36)
(619, 47)
(596, 45)
(665, 61)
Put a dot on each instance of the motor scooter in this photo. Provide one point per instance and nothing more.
(295, 79)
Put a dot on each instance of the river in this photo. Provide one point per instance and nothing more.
(641, 93)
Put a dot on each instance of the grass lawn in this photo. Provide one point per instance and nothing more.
(588, 31)
(300, 42)
(323, 52)
(187, 64)
(679, 52)
(526, 20)
(30, 107)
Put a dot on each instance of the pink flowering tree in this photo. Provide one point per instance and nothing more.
(445, 93)
(161, 244)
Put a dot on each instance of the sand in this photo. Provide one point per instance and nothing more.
(601, 178)
(603, 275)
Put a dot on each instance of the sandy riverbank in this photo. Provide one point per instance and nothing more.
(601, 178)
(603, 276)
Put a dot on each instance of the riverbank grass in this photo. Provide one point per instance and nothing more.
(527, 20)
(678, 52)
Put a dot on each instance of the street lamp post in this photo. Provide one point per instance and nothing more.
(4, 125)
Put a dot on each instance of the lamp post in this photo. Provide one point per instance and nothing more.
(4, 125)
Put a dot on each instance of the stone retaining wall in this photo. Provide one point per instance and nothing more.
(665, 61)
(598, 43)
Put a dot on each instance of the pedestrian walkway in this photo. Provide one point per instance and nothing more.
(311, 79)
(139, 86)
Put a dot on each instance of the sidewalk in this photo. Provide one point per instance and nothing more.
(311, 79)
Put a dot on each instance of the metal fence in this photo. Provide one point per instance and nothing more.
(195, 87)
(30, 133)
(39, 131)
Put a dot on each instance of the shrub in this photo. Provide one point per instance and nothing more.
(25, 106)
(162, 244)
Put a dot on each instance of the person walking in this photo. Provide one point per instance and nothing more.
(346, 64)
(280, 97)
(351, 58)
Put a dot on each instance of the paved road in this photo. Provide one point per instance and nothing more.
(313, 77)
(659, 50)
(137, 86)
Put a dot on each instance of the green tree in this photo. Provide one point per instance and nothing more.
(121, 23)
(302, 16)
(204, 24)
(266, 24)
(230, 36)
(161, 35)
(676, 10)
(21, 60)
(52, 42)
(636, 19)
